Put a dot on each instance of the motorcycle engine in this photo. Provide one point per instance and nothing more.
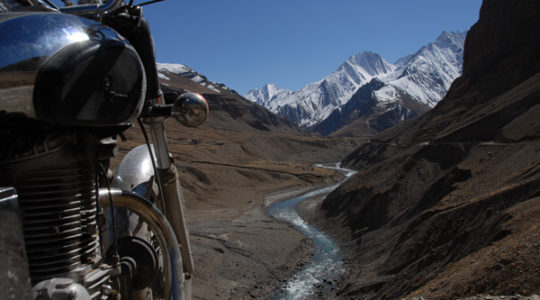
(55, 176)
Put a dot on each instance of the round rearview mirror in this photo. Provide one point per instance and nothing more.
(190, 109)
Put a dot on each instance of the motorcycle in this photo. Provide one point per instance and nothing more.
(72, 80)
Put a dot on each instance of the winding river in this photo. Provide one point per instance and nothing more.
(326, 265)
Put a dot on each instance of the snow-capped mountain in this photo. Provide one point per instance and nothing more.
(314, 102)
(267, 93)
(427, 74)
(367, 114)
(424, 77)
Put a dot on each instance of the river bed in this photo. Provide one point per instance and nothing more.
(326, 267)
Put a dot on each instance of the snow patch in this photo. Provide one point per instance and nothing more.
(173, 68)
(163, 76)
(213, 88)
(386, 94)
(198, 79)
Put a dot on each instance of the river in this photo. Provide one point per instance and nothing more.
(326, 266)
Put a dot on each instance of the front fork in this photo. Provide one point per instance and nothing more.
(171, 200)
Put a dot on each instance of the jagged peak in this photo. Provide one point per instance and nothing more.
(446, 39)
(274, 88)
(266, 93)
(269, 87)
(371, 62)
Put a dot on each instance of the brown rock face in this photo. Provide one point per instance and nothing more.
(448, 205)
(503, 47)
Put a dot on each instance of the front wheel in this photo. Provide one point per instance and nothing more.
(151, 242)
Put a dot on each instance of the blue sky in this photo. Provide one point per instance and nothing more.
(248, 43)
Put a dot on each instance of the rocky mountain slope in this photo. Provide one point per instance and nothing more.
(423, 77)
(366, 113)
(448, 204)
(229, 109)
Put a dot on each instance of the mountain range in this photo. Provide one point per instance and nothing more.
(383, 93)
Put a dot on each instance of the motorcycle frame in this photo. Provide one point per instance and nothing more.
(134, 171)
(171, 191)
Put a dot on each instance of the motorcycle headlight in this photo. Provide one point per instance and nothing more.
(91, 82)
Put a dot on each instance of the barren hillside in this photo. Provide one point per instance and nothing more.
(448, 205)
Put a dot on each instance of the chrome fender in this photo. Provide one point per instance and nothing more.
(174, 284)
(135, 172)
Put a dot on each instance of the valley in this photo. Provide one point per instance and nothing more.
(232, 168)
(229, 179)
(325, 268)
(444, 205)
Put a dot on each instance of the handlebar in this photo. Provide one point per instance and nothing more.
(92, 9)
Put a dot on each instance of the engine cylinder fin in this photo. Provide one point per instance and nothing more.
(53, 229)
(62, 237)
(59, 215)
(55, 179)
(70, 258)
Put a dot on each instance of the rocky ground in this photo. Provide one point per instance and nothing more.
(246, 257)
(489, 297)
(511, 297)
